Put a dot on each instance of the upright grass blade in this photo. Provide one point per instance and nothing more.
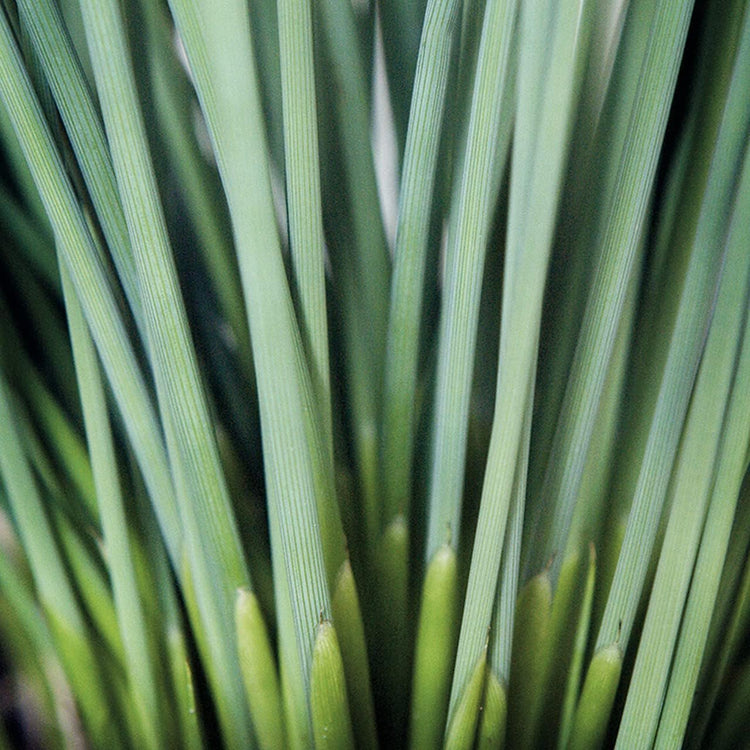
(436, 638)
(734, 587)
(602, 398)
(573, 255)
(401, 23)
(730, 469)
(493, 727)
(678, 212)
(412, 234)
(396, 451)
(77, 249)
(532, 637)
(690, 491)
(597, 696)
(259, 671)
(83, 126)
(467, 245)
(218, 45)
(328, 703)
(130, 615)
(305, 217)
(350, 632)
(548, 80)
(505, 604)
(694, 312)
(463, 724)
(360, 261)
(625, 217)
(265, 30)
(579, 651)
(174, 103)
(304, 206)
(50, 578)
(590, 514)
(718, 683)
(216, 554)
(696, 305)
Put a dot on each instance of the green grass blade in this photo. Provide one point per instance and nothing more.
(401, 22)
(77, 250)
(547, 90)
(597, 696)
(259, 672)
(501, 643)
(304, 205)
(198, 182)
(494, 716)
(579, 652)
(216, 555)
(715, 537)
(463, 724)
(626, 214)
(691, 486)
(531, 646)
(52, 583)
(412, 235)
(83, 126)
(436, 643)
(466, 251)
(360, 261)
(218, 45)
(678, 211)
(696, 304)
(328, 703)
(130, 615)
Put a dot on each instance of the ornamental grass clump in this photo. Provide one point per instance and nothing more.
(374, 374)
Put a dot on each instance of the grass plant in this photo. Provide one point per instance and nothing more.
(271, 477)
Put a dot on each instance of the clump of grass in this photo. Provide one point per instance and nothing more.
(270, 479)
